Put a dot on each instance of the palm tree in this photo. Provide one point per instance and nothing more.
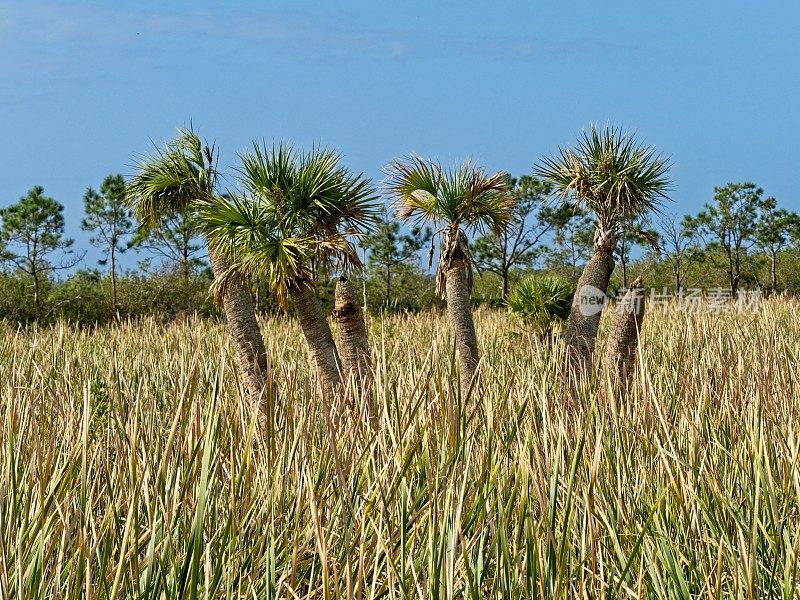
(295, 215)
(456, 200)
(181, 178)
(617, 179)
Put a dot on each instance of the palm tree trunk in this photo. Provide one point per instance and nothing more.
(620, 358)
(245, 334)
(352, 330)
(459, 311)
(587, 306)
(319, 338)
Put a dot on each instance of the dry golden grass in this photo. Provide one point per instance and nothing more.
(131, 468)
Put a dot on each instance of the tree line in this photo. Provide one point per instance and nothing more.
(741, 237)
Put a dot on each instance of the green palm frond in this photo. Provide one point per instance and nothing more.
(487, 201)
(296, 209)
(172, 179)
(246, 235)
(542, 299)
(464, 196)
(611, 173)
(415, 184)
(309, 193)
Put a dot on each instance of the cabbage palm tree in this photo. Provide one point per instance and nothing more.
(294, 214)
(617, 179)
(457, 201)
(180, 178)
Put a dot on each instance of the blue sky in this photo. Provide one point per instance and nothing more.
(88, 85)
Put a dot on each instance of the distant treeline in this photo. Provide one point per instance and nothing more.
(740, 240)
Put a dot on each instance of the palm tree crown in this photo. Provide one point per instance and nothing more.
(172, 180)
(293, 208)
(462, 197)
(611, 174)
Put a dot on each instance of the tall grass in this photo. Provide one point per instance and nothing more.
(131, 466)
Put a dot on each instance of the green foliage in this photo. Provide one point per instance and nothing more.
(542, 300)
(32, 233)
(412, 291)
(393, 254)
(84, 298)
(297, 213)
(610, 173)
(172, 180)
(463, 199)
(15, 298)
(174, 241)
(729, 227)
(108, 217)
(466, 196)
(776, 226)
(166, 295)
(572, 242)
(34, 226)
(518, 245)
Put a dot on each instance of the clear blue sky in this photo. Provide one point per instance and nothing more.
(88, 85)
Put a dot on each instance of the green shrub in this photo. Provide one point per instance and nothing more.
(542, 300)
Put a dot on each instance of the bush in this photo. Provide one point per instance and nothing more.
(542, 300)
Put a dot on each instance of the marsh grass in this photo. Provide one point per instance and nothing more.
(131, 466)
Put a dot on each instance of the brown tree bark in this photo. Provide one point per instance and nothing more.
(245, 334)
(354, 340)
(459, 312)
(587, 306)
(318, 337)
(623, 340)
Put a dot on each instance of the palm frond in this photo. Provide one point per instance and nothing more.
(296, 208)
(465, 196)
(486, 200)
(244, 233)
(309, 192)
(415, 185)
(172, 179)
(611, 173)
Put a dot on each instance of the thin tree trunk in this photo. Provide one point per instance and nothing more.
(352, 330)
(505, 284)
(113, 282)
(388, 300)
(459, 312)
(624, 264)
(245, 333)
(587, 307)
(318, 337)
(774, 272)
(37, 293)
(623, 340)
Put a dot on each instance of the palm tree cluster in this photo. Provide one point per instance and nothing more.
(618, 180)
(293, 214)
